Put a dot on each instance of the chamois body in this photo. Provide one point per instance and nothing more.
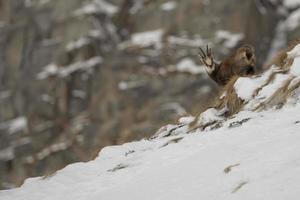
(241, 63)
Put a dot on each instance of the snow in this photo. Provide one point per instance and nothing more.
(54, 70)
(258, 160)
(97, 6)
(260, 89)
(246, 86)
(127, 85)
(189, 66)
(15, 125)
(86, 40)
(168, 6)
(295, 69)
(145, 39)
(186, 120)
(292, 22)
(79, 94)
(7, 154)
(267, 91)
(78, 44)
(211, 115)
(291, 3)
(49, 70)
(52, 149)
(230, 39)
(295, 52)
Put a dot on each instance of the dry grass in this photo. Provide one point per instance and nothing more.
(230, 100)
(239, 186)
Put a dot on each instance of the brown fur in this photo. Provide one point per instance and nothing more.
(230, 99)
(241, 63)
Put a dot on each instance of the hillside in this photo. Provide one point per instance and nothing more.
(249, 151)
(79, 75)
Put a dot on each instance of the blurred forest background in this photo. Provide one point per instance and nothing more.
(78, 75)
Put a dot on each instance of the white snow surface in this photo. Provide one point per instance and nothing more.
(230, 39)
(188, 65)
(258, 160)
(97, 6)
(15, 125)
(294, 54)
(291, 3)
(293, 21)
(246, 86)
(64, 71)
(145, 39)
(168, 6)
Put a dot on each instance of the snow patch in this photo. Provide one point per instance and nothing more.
(186, 120)
(52, 149)
(267, 91)
(295, 52)
(189, 66)
(18, 124)
(7, 154)
(127, 85)
(97, 6)
(15, 125)
(295, 68)
(149, 38)
(246, 86)
(64, 71)
(78, 44)
(230, 39)
(211, 115)
(291, 3)
(292, 22)
(168, 6)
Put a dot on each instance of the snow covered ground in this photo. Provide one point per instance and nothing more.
(253, 156)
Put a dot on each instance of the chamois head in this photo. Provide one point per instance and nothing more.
(244, 60)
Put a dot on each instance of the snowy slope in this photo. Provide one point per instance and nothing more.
(264, 153)
(249, 155)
